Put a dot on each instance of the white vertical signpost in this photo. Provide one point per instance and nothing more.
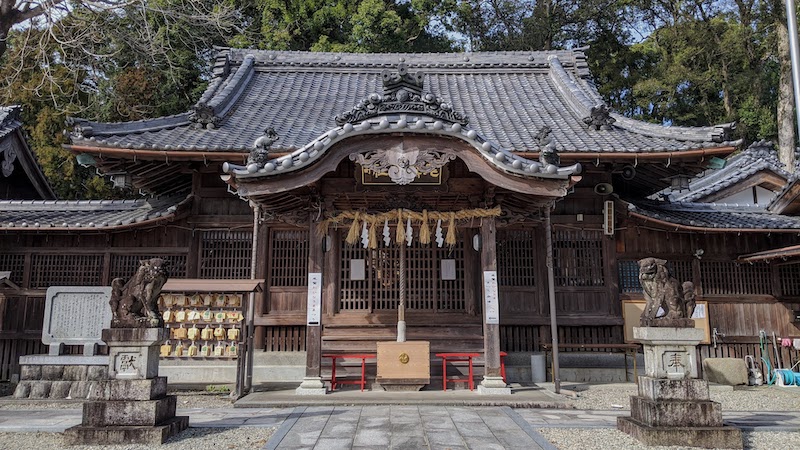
(314, 298)
(490, 297)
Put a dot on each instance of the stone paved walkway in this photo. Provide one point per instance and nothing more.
(396, 426)
(406, 427)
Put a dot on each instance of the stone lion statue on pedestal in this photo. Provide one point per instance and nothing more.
(662, 291)
(135, 304)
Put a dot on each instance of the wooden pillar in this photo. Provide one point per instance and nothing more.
(551, 289)
(492, 380)
(312, 382)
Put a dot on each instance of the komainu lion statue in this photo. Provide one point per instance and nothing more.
(661, 290)
(135, 304)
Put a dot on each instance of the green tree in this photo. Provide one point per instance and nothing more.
(351, 26)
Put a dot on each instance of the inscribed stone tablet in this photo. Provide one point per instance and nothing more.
(76, 315)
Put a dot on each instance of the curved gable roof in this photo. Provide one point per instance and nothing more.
(759, 157)
(508, 96)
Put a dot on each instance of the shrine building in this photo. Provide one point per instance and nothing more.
(490, 200)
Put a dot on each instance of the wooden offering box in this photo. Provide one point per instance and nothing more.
(404, 366)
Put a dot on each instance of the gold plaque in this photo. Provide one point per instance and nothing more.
(404, 358)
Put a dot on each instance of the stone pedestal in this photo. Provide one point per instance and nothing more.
(132, 405)
(59, 377)
(311, 386)
(493, 386)
(673, 408)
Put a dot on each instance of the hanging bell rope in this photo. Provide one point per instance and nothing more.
(357, 219)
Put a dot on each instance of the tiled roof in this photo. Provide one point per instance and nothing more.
(787, 188)
(758, 157)
(87, 214)
(715, 216)
(9, 120)
(16, 155)
(508, 98)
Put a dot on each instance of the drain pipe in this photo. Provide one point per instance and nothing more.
(548, 231)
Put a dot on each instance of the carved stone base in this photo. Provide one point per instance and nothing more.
(133, 352)
(669, 352)
(124, 435)
(707, 437)
(677, 412)
(671, 323)
(311, 386)
(493, 386)
(131, 406)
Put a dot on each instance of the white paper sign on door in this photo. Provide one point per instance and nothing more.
(490, 297)
(314, 298)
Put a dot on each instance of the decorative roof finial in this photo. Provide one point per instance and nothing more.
(599, 117)
(260, 152)
(402, 94)
(394, 81)
(548, 155)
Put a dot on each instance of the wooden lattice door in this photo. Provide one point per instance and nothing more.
(370, 278)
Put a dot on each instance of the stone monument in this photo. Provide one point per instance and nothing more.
(73, 315)
(673, 406)
(132, 405)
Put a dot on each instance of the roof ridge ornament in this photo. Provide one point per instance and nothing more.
(260, 153)
(402, 93)
(548, 155)
(600, 118)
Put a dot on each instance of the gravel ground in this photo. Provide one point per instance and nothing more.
(761, 398)
(191, 439)
(616, 396)
(592, 439)
(186, 399)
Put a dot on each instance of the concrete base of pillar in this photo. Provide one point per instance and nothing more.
(493, 386)
(311, 386)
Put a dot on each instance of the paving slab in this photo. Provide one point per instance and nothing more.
(398, 427)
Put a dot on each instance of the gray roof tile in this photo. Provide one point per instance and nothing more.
(758, 157)
(507, 96)
(86, 214)
(719, 216)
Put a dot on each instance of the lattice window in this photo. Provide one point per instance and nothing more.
(578, 258)
(226, 254)
(66, 270)
(790, 279)
(728, 278)
(124, 266)
(517, 258)
(629, 274)
(14, 263)
(380, 288)
(289, 258)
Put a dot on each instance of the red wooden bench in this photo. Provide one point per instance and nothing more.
(363, 356)
(465, 357)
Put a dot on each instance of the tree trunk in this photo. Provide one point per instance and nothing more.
(786, 130)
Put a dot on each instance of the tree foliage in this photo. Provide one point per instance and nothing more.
(665, 61)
